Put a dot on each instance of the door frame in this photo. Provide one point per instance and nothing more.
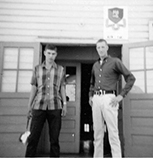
(77, 104)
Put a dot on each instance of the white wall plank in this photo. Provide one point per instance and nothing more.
(41, 26)
(9, 38)
(50, 33)
(138, 21)
(50, 20)
(72, 27)
(133, 35)
(85, 2)
(54, 13)
(67, 7)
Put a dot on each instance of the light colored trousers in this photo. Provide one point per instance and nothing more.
(102, 110)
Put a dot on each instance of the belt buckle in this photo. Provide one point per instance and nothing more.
(100, 92)
(103, 92)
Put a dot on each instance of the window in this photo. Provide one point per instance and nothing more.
(141, 66)
(17, 69)
(71, 83)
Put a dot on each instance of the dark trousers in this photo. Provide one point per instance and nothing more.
(38, 119)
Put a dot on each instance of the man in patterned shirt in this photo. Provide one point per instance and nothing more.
(47, 102)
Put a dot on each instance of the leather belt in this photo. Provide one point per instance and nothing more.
(102, 92)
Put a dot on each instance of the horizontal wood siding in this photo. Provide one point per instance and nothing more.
(68, 21)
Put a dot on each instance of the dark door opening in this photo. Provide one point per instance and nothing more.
(86, 133)
(86, 130)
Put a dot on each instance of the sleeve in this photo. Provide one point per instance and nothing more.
(34, 77)
(128, 77)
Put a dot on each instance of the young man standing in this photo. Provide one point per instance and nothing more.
(105, 74)
(47, 102)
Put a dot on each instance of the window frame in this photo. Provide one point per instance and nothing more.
(36, 57)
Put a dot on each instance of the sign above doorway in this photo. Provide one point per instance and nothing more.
(115, 23)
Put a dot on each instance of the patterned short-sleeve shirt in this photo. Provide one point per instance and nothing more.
(48, 83)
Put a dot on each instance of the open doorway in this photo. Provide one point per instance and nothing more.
(86, 130)
(86, 133)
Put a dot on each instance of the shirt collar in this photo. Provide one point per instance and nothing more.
(105, 59)
(54, 65)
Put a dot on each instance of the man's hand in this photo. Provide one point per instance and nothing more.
(29, 115)
(64, 110)
(114, 102)
(90, 101)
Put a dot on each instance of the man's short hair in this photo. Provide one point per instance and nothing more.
(50, 47)
(102, 40)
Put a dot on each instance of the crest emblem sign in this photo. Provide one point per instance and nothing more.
(115, 18)
(115, 14)
(115, 22)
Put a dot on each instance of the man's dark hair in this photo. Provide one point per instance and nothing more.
(50, 47)
(102, 40)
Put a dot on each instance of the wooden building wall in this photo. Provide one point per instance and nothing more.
(69, 21)
(56, 21)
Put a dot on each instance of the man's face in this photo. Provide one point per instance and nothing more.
(102, 49)
(50, 55)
